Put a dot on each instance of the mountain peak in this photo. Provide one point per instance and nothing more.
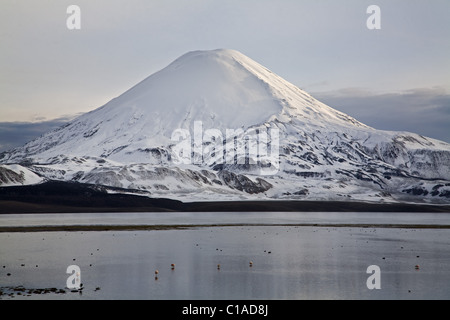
(222, 89)
(316, 151)
(222, 83)
(203, 86)
(220, 52)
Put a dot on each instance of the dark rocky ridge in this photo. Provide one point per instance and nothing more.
(61, 197)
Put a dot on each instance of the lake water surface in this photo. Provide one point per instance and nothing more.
(288, 261)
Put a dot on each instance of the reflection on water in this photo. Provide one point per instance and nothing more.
(288, 262)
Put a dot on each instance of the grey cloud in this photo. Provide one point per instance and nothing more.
(16, 134)
(425, 111)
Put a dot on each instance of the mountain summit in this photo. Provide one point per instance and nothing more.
(207, 103)
(221, 88)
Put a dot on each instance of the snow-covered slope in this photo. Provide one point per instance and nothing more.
(13, 175)
(320, 153)
(221, 88)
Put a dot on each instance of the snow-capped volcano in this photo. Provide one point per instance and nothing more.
(220, 88)
(320, 153)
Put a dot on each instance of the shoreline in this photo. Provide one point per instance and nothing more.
(51, 205)
(87, 228)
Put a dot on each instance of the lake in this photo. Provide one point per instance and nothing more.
(293, 256)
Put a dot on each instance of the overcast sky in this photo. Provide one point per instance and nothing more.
(395, 78)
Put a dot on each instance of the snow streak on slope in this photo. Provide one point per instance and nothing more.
(323, 153)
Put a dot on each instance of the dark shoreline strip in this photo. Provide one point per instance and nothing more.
(71, 197)
(73, 228)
